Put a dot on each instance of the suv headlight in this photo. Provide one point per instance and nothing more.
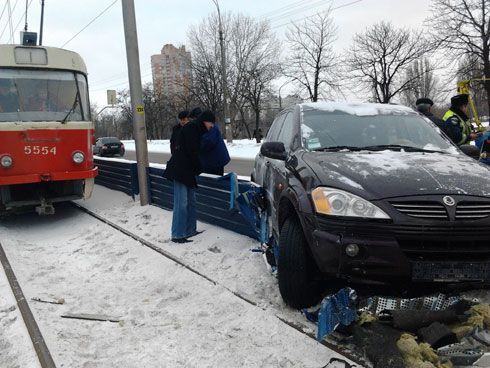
(336, 202)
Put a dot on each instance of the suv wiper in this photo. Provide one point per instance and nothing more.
(339, 148)
(382, 147)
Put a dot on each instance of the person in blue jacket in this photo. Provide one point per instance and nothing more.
(214, 154)
(483, 143)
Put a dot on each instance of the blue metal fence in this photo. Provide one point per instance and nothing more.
(215, 196)
(213, 200)
(118, 175)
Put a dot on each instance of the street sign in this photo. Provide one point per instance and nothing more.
(111, 97)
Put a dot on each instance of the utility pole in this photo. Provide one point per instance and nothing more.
(136, 91)
(42, 23)
(228, 132)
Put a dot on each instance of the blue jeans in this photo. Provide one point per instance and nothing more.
(184, 218)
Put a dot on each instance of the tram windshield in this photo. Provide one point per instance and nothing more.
(43, 95)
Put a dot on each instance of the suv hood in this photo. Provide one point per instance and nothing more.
(386, 174)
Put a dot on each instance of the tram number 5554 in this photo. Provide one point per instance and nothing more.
(39, 150)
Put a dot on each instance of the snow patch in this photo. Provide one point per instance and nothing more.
(359, 109)
(240, 148)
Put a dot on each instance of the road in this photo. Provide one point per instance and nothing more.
(240, 166)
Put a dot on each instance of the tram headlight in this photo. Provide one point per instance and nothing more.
(78, 157)
(6, 161)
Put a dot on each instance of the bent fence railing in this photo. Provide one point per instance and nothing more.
(215, 196)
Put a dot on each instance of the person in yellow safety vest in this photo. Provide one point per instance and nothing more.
(456, 121)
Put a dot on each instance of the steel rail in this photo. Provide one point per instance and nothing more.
(40, 346)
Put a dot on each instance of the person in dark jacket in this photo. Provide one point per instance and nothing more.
(214, 154)
(183, 120)
(456, 121)
(424, 106)
(195, 113)
(182, 168)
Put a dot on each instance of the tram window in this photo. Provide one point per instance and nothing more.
(9, 100)
(42, 96)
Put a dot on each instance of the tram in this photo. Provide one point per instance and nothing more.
(46, 132)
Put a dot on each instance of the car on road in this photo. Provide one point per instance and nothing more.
(370, 193)
(108, 146)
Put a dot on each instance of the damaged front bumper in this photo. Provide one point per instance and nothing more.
(387, 252)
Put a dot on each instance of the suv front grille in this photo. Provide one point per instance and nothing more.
(472, 210)
(422, 210)
(444, 249)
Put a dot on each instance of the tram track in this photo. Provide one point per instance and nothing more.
(40, 346)
(359, 360)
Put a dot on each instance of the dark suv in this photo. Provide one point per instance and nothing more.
(370, 192)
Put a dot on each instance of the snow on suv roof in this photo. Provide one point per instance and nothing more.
(359, 109)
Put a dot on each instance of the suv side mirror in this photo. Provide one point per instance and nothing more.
(274, 150)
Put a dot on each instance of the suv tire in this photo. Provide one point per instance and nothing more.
(296, 268)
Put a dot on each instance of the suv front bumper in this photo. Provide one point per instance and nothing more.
(396, 252)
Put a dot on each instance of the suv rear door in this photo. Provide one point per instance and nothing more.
(276, 172)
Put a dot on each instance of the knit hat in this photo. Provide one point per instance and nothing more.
(195, 112)
(425, 101)
(207, 116)
(459, 100)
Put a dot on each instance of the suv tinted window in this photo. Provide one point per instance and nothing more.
(287, 131)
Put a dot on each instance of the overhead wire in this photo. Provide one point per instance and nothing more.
(7, 7)
(22, 17)
(111, 78)
(3, 11)
(126, 82)
(282, 9)
(11, 11)
(311, 16)
(89, 23)
(317, 4)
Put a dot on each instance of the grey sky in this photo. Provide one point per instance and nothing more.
(160, 22)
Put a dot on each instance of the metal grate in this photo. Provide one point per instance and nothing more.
(378, 304)
(472, 210)
(423, 210)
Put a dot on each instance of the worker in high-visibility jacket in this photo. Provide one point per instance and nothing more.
(457, 123)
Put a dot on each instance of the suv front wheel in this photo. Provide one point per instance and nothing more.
(296, 269)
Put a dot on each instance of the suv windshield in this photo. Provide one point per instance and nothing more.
(42, 95)
(387, 130)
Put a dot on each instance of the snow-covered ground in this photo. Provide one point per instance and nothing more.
(170, 317)
(240, 148)
(16, 349)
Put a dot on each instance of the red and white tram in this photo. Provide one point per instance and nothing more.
(46, 133)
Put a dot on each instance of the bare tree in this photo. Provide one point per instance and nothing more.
(380, 57)
(160, 114)
(250, 45)
(206, 87)
(462, 27)
(424, 82)
(312, 64)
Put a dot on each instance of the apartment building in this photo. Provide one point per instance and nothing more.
(171, 70)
